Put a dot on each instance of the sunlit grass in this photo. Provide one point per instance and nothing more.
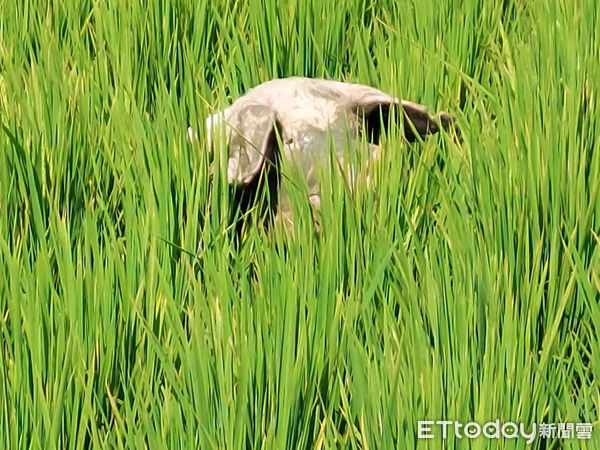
(463, 286)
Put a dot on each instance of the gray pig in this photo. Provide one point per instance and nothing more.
(301, 120)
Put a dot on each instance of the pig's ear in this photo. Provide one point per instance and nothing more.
(373, 106)
(251, 133)
(417, 121)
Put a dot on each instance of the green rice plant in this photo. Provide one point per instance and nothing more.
(463, 284)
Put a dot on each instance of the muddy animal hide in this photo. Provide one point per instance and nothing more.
(302, 120)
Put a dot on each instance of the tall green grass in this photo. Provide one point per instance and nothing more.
(463, 286)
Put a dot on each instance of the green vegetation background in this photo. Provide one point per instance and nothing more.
(463, 286)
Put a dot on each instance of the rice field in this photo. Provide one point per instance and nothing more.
(464, 285)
